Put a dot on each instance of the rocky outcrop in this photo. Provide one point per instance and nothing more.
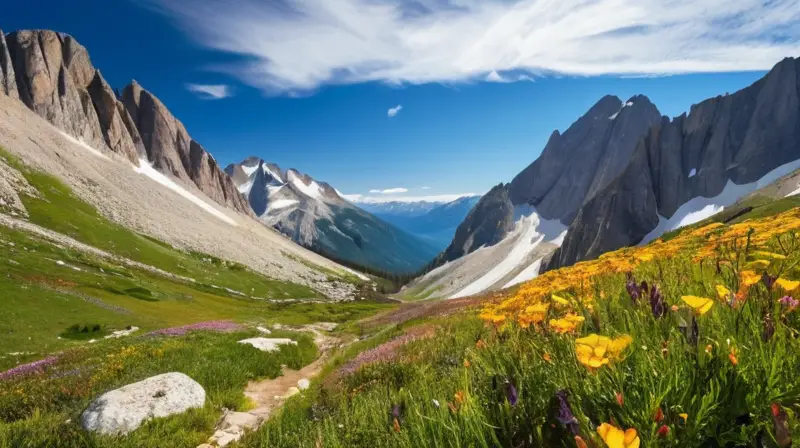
(594, 150)
(114, 121)
(737, 138)
(123, 410)
(486, 225)
(8, 82)
(171, 150)
(52, 72)
(56, 79)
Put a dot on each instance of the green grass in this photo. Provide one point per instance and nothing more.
(44, 409)
(59, 209)
(726, 404)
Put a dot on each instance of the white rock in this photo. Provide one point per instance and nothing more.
(123, 410)
(304, 384)
(263, 330)
(291, 392)
(239, 420)
(268, 344)
(122, 333)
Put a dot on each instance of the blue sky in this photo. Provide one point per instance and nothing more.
(309, 84)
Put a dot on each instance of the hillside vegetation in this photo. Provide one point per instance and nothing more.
(687, 342)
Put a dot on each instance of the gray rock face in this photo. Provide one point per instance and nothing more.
(171, 150)
(738, 138)
(52, 72)
(8, 81)
(574, 166)
(486, 225)
(118, 136)
(123, 410)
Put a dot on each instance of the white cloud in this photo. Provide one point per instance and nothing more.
(366, 199)
(390, 191)
(394, 111)
(210, 91)
(299, 45)
(493, 76)
(426, 188)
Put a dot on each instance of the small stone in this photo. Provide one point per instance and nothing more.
(304, 384)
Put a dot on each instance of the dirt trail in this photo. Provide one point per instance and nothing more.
(269, 395)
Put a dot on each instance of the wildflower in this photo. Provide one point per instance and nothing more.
(452, 407)
(616, 438)
(768, 280)
(787, 285)
(769, 255)
(580, 443)
(723, 293)
(657, 305)
(789, 301)
(435, 402)
(560, 300)
(459, 396)
(480, 344)
(547, 357)
(769, 327)
(511, 394)
(564, 413)
(595, 351)
(781, 424)
(709, 348)
(466, 363)
(749, 278)
(396, 425)
(659, 416)
(663, 432)
(619, 398)
(700, 305)
(684, 416)
(674, 308)
(567, 324)
(633, 289)
(732, 356)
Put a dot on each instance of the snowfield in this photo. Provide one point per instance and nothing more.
(147, 169)
(530, 231)
(700, 208)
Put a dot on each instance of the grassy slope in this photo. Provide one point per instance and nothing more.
(453, 391)
(44, 410)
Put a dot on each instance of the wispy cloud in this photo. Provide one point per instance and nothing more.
(210, 91)
(366, 199)
(426, 188)
(300, 45)
(394, 111)
(390, 191)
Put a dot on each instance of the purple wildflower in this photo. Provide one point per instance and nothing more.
(769, 327)
(633, 288)
(221, 326)
(27, 369)
(789, 301)
(768, 280)
(657, 302)
(564, 413)
(511, 394)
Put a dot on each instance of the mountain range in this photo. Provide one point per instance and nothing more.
(434, 222)
(620, 175)
(314, 215)
(52, 74)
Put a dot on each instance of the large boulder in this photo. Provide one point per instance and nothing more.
(123, 410)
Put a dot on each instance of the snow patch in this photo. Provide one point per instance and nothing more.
(529, 273)
(245, 188)
(85, 146)
(281, 203)
(146, 169)
(692, 172)
(530, 230)
(312, 190)
(628, 104)
(700, 208)
(249, 170)
(122, 333)
(271, 173)
(795, 192)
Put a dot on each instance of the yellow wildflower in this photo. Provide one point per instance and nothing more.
(595, 351)
(749, 278)
(700, 305)
(723, 293)
(617, 438)
(787, 285)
